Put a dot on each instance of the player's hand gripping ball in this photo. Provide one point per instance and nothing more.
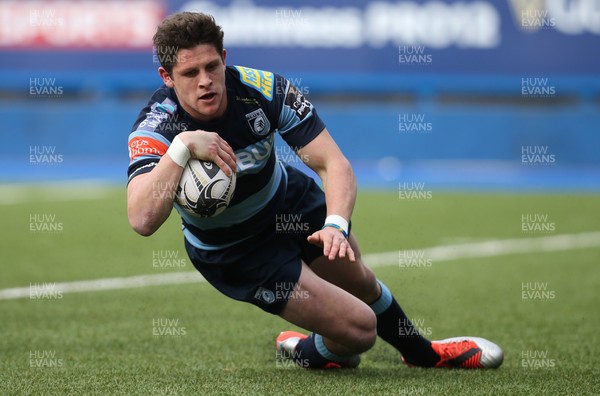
(204, 189)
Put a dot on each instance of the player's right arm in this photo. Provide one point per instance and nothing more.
(150, 195)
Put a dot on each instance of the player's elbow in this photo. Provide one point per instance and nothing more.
(143, 231)
(142, 228)
(142, 224)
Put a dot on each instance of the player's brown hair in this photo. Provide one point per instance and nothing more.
(185, 30)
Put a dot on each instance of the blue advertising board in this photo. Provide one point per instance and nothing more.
(329, 36)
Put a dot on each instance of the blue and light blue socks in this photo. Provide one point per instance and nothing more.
(313, 353)
(394, 327)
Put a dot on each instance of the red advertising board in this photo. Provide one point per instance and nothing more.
(79, 24)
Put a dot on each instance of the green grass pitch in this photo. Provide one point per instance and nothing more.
(106, 342)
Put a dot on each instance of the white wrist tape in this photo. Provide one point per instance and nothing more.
(338, 222)
(179, 152)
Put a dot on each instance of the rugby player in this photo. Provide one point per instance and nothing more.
(229, 115)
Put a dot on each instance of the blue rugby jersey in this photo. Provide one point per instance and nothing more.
(259, 103)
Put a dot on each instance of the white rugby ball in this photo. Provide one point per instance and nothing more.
(204, 189)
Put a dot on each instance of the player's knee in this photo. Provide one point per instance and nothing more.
(365, 340)
(364, 333)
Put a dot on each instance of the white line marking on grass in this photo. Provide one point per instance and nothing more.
(170, 278)
(489, 248)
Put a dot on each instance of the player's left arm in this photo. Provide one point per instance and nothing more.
(324, 156)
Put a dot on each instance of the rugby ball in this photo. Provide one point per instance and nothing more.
(204, 190)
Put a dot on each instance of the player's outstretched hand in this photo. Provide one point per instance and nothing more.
(333, 243)
(209, 146)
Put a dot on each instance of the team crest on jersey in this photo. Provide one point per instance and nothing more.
(265, 295)
(258, 122)
(260, 80)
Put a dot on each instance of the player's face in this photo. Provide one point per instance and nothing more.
(199, 81)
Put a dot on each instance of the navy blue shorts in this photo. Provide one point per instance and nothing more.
(264, 269)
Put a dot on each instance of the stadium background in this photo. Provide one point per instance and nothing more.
(493, 124)
(463, 100)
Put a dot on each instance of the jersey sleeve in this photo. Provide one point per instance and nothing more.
(298, 122)
(148, 142)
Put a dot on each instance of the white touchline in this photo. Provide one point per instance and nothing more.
(495, 247)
